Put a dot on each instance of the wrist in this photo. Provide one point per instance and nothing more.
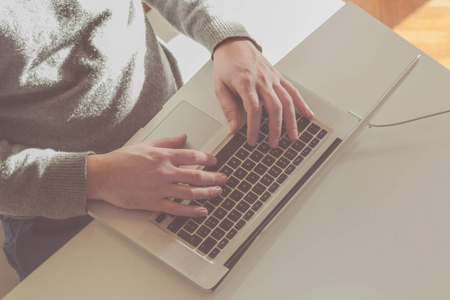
(232, 41)
(93, 183)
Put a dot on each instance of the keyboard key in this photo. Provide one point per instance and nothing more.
(265, 128)
(211, 222)
(297, 145)
(251, 198)
(298, 160)
(232, 182)
(228, 204)
(240, 173)
(226, 225)
(214, 253)
(306, 151)
(234, 162)
(282, 163)
(275, 171)
(257, 206)
(190, 227)
(231, 234)
(267, 180)
(160, 218)
(209, 207)
(248, 215)
(290, 154)
(216, 200)
(226, 152)
(244, 186)
(199, 220)
(220, 213)
(222, 243)
(234, 215)
(284, 143)
(240, 224)
(225, 191)
(276, 152)
(207, 245)
(253, 177)
(258, 189)
(236, 195)
(302, 124)
(265, 197)
(248, 147)
(243, 206)
(218, 234)
(313, 129)
(226, 170)
(268, 160)
(264, 148)
(256, 156)
(203, 231)
(306, 137)
(322, 134)
(243, 130)
(193, 240)
(242, 154)
(260, 169)
(177, 223)
(282, 178)
(248, 165)
(274, 187)
(314, 143)
(290, 169)
(261, 137)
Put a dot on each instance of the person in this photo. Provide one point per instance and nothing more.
(78, 79)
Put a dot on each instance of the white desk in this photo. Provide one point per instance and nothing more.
(375, 227)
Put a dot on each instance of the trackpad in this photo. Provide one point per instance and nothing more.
(187, 119)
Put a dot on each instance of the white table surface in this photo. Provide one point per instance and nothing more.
(375, 227)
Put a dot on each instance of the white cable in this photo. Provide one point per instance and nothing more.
(408, 121)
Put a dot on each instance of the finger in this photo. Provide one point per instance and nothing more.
(253, 107)
(175, 142)
(186, 157)
(229, 107)
(199, 178)
(170, 207)
(298, 99)
(274, 108)
(288, 111)
(188, 192)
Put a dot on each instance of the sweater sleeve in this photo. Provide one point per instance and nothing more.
(198, 20)
(41, 182)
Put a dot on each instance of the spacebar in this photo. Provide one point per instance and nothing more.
(227, 151)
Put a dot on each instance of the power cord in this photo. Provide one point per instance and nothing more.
(408, 121)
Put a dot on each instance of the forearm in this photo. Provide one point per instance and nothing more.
(198, 20)
(38, 182)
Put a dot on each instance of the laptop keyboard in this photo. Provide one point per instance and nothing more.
(254, 174)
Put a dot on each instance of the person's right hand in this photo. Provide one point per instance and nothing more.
(146, 175)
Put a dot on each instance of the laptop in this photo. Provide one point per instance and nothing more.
(262, 181)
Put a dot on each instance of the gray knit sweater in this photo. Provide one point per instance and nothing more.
(80, 77)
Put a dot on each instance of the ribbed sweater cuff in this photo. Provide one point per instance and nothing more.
(218, 30)
(67, 186)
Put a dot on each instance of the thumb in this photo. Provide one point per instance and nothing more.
(175, 142)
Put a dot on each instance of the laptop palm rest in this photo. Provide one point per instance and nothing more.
(185, 118)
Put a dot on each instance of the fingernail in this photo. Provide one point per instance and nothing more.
(224, 178)
(232, 125)
(218, 189)
(202, 211)
(275, 142)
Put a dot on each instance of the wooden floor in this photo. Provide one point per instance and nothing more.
(424, 23)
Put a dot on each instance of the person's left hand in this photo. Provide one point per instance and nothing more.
(239, 69)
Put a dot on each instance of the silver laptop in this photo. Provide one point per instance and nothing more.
(261, 182)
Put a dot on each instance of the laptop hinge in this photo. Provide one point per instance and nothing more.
(241, 250)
